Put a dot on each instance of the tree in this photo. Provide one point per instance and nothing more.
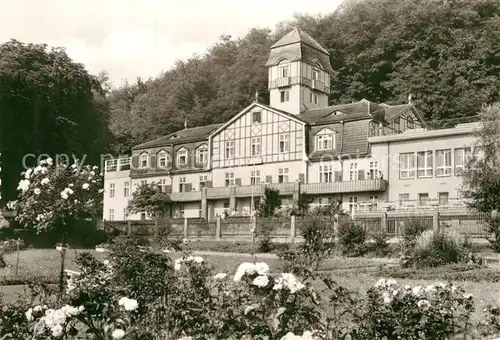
(48, 105)
(149, 198)
(482, 174)
(269, 202)
(54, 196)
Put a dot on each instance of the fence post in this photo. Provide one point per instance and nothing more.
(129, 227)
(383, 222)
(435, 221)
(217, 229)
(293, 229)
(185, 227)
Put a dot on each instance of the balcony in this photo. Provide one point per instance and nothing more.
(345, 187)
(249, 190)
(317, 85)
(219, 192)
(282, 82)
(188, 196)
(120, 164)
(284, 188)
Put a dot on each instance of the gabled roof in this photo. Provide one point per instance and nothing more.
(195, 134)
(364, 109)
(298, 45)
(262, 106)
(299, 36)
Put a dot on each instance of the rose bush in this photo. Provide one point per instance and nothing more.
(141, 294)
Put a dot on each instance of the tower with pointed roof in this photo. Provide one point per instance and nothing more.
(299, 73)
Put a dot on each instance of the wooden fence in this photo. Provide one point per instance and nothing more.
(472, 224)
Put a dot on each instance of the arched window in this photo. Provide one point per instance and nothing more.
(182, 157)
(144, 161)
(325, 140)
(162, 159)
(202, 154)
(284, 68)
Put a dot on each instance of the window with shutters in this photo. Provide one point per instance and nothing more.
(284, 96)
(111, 190)
(182, 184)
(255, 177)
(284, 142)
(283, 175)
(424, 164)
(229, 150)
(443, 163)
(230, 181)
(182, 155)
(256, 146)
(126, 189)
(353, 171)
(325, 173)
(325, 140)
(407, 165)
(143, 161)
(461, 158)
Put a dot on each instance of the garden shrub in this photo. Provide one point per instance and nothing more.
(380, 247)
(412, 229)
(263, 232)
(352, 238)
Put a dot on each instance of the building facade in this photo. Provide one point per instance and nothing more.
(364, 154)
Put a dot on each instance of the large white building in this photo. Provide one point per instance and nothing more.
(364, 154)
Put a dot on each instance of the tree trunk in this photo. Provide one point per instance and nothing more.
(63, 257)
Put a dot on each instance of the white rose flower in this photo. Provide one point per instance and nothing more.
(92, 173)
(118, 334)
(37, 309)
(261, 268)
(45, 181)
(387, 297)
(244, 268)
(177, 264)
(29, 314)
(85, 186)
(28, 173)
(101, 191)
(468, 296)
(220, 276)
(423, 304)
(417, 290)
(49, 161)
(23, 185)
(198, 259)
(128, 304)
(261, 281)
(57, 331)
(37, 191)
(64, 195)
(38, 169)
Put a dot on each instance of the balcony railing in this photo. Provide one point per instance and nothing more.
(345, 186)
(409, 205)
(120, 164)
(249, 190)
(185, 196)
(218, 192)
(317, 85)
(282, 82)
(284, 188)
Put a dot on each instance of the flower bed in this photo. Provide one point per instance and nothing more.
(141, 294)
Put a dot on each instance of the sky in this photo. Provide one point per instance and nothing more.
(131, 38)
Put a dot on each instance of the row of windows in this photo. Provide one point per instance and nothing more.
(256, 146)
(163, 158)
(423, 198)
(426, 164)
(284, 70)
(255, 177)
(326, 172)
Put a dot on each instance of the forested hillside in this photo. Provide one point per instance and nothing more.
(446, 53)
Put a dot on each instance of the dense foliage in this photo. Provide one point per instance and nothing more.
(138, 294)
(48, 105)
(151, 199)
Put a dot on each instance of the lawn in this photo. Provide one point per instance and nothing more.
(43, 264)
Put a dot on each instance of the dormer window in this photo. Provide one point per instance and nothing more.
(325, 140)
(143, 161)
(182, 157)
(202, 154)
(162, 159)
